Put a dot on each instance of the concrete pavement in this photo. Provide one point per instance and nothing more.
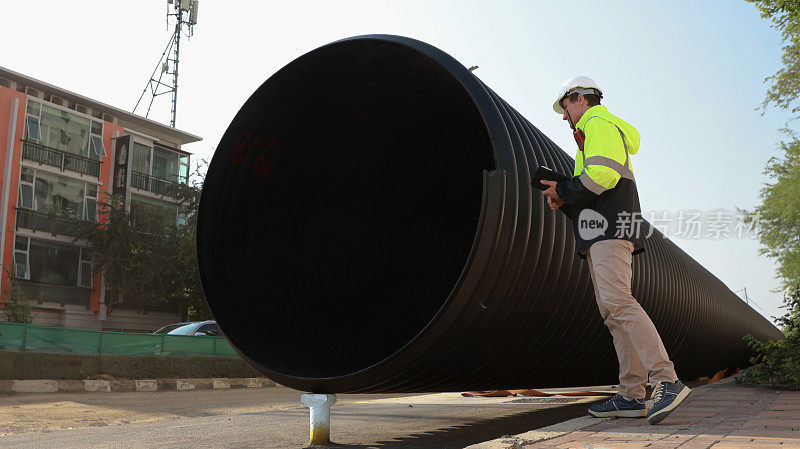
(268, 418)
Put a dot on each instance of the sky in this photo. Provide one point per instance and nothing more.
(688, 75)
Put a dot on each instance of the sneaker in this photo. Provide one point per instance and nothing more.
(619, 407)
(666, 397)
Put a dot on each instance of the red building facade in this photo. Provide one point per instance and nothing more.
(60, 154)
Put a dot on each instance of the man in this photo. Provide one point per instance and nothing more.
(603, 202)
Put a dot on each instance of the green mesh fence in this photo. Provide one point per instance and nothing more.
(122, 343)
(61, 340)
(12, 338)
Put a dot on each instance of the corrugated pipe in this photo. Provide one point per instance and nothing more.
(367, 224)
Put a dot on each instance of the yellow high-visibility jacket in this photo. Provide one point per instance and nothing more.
(602, 198)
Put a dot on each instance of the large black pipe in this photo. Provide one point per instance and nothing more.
(367, 225)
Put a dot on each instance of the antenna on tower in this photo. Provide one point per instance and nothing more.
(747, 298)
(185, 15)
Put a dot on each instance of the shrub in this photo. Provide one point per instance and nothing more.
(778, 362)
(16, 307)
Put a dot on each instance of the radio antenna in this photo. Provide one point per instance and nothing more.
(184, 13)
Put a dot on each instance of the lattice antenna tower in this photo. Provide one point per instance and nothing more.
(184, 15)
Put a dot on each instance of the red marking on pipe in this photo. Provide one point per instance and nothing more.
(267, 149)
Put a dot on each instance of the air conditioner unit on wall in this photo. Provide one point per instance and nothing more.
(58, 100)
(36, 93)
(5, 82)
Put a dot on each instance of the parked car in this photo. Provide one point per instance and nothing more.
(196, 328)
(170, 327)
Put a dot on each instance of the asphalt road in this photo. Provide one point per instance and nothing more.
(267, 418)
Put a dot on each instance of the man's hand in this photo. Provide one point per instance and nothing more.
(552, 197)
(554, 203)
(551, 191)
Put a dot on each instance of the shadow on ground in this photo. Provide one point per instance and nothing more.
(478, 431)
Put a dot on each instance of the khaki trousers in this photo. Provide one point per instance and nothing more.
(636, 340)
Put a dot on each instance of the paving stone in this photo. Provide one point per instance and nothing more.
(661, 444)
(560, 440)
(700, 442)
(123, 386)
(783, 442)
(167, 384)
(145, 385)
(71, 386)
(614, 445)
(35, 386)
(778, 414)
(220, 384)
(248, 382)
(782, 407)
(199, 384)
(751, 445)
(772, 422)
(770, 433)
(94, 386)
(184, 384)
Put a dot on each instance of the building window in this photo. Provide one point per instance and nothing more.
(21, 257)
(53, 266)
(161, 163)
(33, 108)
(163, 212)
(32, 129)
(181, 216)
(56, 195)
(97, 128)
(141, 158)
(64, 130)
(25, 188)
(183, 170)
(85, 268)
(165, 164)
(98, 150)
(90, 203)
(53, 263)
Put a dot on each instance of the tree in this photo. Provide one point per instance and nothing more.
(147, 261)
(16, 307)
(785, 88)
(779, 211)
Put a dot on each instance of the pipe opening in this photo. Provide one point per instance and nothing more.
(337, 254)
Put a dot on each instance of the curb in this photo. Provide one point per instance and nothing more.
(128, 385)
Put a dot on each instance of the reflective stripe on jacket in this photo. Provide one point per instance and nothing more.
(603, 186)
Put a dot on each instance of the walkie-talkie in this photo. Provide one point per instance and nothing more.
(578, 134)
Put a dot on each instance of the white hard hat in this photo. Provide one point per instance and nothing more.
(580, 84)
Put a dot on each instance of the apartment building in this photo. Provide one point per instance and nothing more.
(60, 153)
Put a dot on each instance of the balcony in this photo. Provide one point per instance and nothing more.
(55, 225)
(143, 181)
(32, 151)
